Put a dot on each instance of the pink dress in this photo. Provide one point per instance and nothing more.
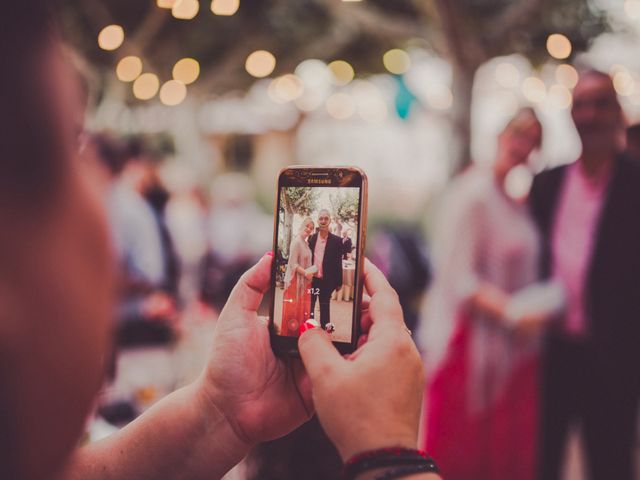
(296, 308)
(481, 398)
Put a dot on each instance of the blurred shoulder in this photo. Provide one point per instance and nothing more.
(549, 178)
(629, 165)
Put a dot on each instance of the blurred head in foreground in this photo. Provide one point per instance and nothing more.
(55, 274)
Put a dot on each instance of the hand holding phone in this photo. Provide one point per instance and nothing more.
(371, 399)
(309, 270)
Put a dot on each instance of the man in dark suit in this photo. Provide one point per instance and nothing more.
(347, 244)
(326, 250)
(587, 215)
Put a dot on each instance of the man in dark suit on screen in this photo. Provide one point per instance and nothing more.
(326, 250)
(347, 245)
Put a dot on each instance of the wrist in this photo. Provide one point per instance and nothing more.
(352, 449)
(218, 418)
(389, 463)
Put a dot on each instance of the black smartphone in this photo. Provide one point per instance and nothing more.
(318, 243)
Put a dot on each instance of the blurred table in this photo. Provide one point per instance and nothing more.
(348, 276)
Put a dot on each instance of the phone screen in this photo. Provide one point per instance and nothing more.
(316, 259)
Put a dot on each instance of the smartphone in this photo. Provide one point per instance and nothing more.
(318, 243)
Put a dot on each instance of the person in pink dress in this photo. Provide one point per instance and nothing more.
(296, 308)
(484, 312)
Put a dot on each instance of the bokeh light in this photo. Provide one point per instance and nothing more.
(260, 63)
(396, 61)
(185, 9)
(534, 89)
(560, 96)
(146, 86)
(632, 8)
(342, 71)
(369, 101)
(558, 46)
(173, 93)
(285, 88)
(314, 74)
(309, 101)
(507, 75)
(566, 75)
(186, 70)
(129, 68)
(225, 7)
(341, 106)
(168, 4)
(111, 37)
(439, 96)
(623, 83)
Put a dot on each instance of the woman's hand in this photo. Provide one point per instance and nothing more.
(530, 326)
(261, 396)
(492, 301)
(372, 399)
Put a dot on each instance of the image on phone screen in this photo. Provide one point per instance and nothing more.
(316, 265)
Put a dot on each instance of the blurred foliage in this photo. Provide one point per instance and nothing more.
(506, 26)
(344, 205)
(466, 32)
(299, 200)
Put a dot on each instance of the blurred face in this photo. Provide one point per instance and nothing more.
(60, 297)
(324, 220)
(515, 145)
(307, 229)
(596, 113)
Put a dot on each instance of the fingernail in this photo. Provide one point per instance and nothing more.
(269, 254)
(308, 325)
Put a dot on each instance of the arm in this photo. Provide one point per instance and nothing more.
(245, 396)
(180, 437)
(292, 263)
(458, 248)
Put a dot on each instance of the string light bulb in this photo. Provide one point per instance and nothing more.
(260, 63)
(129, 68)
(225, 7)
(186, 70)
(185, 9)
(558, 46)
(173, 93)
(111, 37)
(146, 86)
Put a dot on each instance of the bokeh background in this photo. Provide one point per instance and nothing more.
(218, 96)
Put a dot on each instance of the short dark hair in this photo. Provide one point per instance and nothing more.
(112, 152)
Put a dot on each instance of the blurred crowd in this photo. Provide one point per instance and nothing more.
(525, 301)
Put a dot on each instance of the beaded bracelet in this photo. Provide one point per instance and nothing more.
(387, 457)
(400, 472)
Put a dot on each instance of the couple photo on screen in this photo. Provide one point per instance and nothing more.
(316, 272)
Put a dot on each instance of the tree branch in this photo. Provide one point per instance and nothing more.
(514, 17)
(463, 47)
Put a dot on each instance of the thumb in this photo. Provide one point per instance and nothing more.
(318, 354)
(248, 292)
